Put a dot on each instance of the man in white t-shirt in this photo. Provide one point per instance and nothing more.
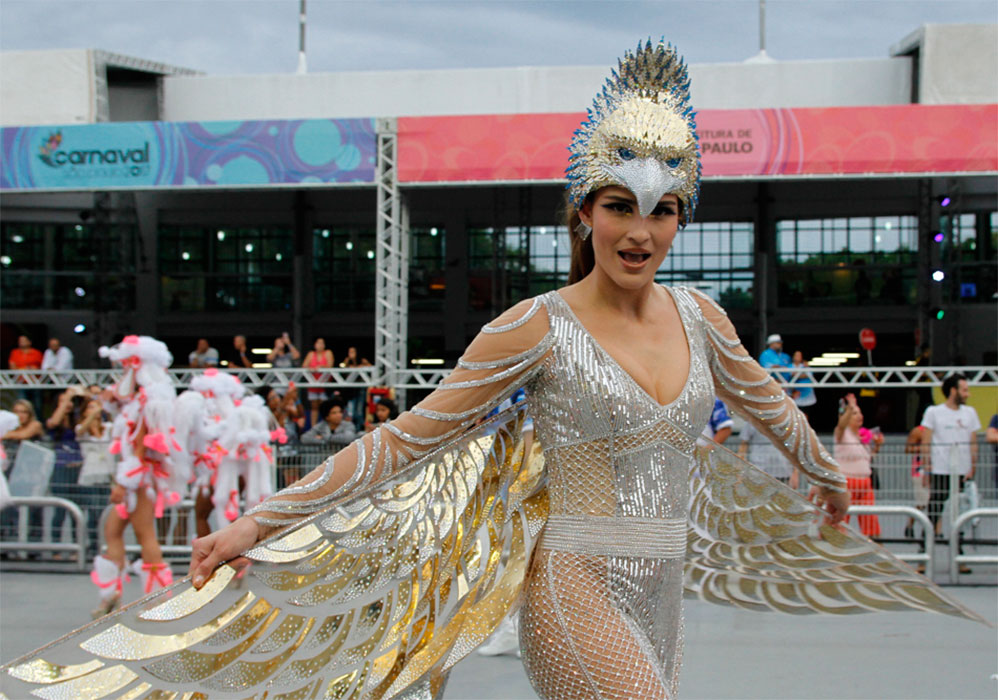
(57, 356)
(950, 432)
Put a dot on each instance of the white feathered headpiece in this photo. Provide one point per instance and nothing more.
(143, 357)
(218, 384)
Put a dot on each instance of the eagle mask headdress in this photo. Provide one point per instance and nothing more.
(640, 134)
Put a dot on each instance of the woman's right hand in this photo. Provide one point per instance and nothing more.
(223, 546)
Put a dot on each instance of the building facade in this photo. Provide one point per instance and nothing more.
(789, 237)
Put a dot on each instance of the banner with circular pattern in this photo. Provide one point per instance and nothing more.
(142, 155)
(752, 143)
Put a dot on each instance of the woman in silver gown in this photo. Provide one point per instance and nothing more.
(378, 571)
(621, 375)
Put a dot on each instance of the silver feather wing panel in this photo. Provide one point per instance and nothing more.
(379, 593)
(756, 544)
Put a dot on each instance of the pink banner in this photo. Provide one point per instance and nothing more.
(902, 139)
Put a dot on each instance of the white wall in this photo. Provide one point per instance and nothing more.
(523, 90)
(47, 87)
(959, 64)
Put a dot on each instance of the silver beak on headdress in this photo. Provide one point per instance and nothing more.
(640, 134)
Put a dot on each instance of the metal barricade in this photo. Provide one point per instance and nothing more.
(956, 559)
(79, 547)
(929, 540)
(295, 461)
(178, 520)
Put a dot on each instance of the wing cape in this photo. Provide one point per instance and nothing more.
(757, 544)
(381, 594)
(377, 595)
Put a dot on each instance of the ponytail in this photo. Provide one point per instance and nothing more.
(583, 258)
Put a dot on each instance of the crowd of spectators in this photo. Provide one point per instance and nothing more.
(320, 421)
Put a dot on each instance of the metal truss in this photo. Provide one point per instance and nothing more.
(391, 311)
(424, 379)
(885, 377)
(327, 378)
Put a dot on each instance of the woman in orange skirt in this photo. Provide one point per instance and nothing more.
(854, 454)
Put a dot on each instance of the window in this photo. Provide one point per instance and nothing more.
(225, 268)
(967, 254)
(515, 263)
(716, 258)
(842, 261)
(874, 239)
(343, 266)
(512, 263)
(427, 286)
(67, 266)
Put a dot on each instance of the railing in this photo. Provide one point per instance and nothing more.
(26, 502)
(897, 499)
(956, 558)
(363, 377)
(929, 541)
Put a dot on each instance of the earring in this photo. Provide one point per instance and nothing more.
(583, 230)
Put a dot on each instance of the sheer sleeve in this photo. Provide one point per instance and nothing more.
(504, 356)
(751, 391)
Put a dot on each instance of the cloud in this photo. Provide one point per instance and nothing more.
(261, 36)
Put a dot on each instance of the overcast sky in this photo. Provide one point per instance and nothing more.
(261, 36)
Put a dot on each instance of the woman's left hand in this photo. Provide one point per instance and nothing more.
(835, 503)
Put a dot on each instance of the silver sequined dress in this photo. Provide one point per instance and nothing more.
(602, 604)
(602, 615)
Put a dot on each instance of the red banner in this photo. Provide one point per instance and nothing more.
(902, 139)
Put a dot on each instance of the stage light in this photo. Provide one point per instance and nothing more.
(939, 315)
(80, 292)
(939, 237)
(80, 328)
(944, 201)
(220, 235)
(249, 248)
(278, 257)
(325, 233)
(433, 231)
(17, 238)
(938, 275)
(370, 255)
(185, 255)
(5, 260)
(349, 245)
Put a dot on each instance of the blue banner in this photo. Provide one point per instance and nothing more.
(147, 155)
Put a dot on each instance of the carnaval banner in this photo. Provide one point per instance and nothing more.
(902, 139)
(188, 154)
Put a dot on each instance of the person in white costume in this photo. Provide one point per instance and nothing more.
(147, 478)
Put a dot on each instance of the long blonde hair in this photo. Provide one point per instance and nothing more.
(28, 407)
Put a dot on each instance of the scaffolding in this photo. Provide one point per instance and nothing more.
(392, 266)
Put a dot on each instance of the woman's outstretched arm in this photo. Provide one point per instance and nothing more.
(750, 391)
(503, 357)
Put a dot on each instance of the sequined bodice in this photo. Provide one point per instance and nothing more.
(609, 447)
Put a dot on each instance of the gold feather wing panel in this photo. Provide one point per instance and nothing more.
(381, 593)
(754, 543)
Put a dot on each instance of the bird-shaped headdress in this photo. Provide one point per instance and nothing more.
(640, 133)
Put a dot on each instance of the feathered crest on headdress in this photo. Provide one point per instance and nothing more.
(640, 133)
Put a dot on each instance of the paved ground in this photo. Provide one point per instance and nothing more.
(729, 653)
